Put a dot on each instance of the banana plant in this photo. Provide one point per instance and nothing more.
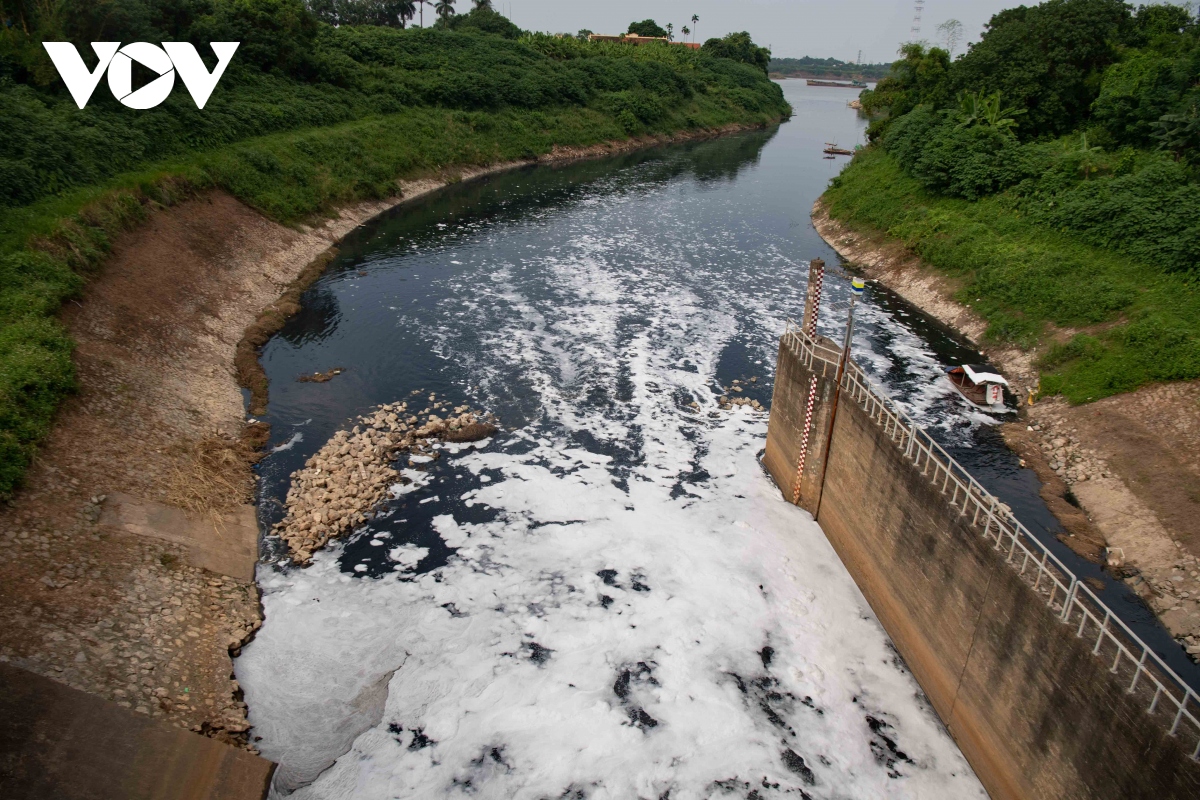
(987, 109)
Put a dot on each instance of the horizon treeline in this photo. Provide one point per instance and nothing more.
(832, 67)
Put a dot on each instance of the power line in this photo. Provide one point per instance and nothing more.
(915, 32)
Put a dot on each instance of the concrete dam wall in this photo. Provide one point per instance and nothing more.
(1044, 690)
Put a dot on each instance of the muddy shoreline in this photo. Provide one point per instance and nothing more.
(1087, 468)
(130, 549)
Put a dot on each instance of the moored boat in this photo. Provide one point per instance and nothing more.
(979, 385)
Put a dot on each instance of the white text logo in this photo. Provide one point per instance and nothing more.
(164, 61)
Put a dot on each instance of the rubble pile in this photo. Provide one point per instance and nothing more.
(737, 387)
(348, 477)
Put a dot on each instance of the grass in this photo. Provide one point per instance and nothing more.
(1103, 322)
(50, 248)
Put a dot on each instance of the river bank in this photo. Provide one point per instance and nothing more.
(158, 431)
(1117, 473)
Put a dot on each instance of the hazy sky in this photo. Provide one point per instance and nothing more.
(823, 28)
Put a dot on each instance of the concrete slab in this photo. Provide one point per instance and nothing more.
(61, 743)
(227, 546)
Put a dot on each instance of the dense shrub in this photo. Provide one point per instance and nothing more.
(1021, 276)
(1152, 214)
(50, 145)
(951, 159)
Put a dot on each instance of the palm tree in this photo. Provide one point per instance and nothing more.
(695, 19)
(685, 30)
(484, 4)
(422, 2)
(670, 31)
(444, 9)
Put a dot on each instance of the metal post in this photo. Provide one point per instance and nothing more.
(856, 290)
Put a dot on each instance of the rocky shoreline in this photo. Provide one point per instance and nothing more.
(1104, 520)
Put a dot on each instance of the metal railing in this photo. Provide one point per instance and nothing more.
(1167, 697)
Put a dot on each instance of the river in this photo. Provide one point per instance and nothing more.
(609, 599)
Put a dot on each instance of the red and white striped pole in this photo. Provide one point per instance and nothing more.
(812, 307)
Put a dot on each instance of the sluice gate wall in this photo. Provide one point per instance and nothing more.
(1046, 692)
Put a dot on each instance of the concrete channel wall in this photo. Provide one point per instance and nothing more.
(1015, 656)
(58, 743)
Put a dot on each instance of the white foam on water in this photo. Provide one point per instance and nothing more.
(644, 615)
(289, 444)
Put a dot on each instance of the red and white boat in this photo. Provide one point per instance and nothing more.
(980, 386)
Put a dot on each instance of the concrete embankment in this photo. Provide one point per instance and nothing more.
(1123, 472)
(1044, 694)
(59, 743)
(130, 550)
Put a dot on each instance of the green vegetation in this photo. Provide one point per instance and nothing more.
(307, 117)
(1053, 168)
(809, 67)
(647, 27)
(739, 47)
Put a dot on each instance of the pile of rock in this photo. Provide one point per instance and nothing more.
(1174, 593)
(727, 403)
(340, 485)
(737, 386)
(1067, 457)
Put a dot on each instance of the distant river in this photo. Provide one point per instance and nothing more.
(610, 599)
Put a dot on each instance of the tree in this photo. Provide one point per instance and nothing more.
(647, 27)
(670, 30)
(485, 4)
(444, 9)
(484, 20)
(385, 13)
(695, 19)
(921, 77)
(739, 47)
(685, 30)
(950, 32)
(583, 34)
(1047, 59)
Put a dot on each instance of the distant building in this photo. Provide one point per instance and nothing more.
(634, 39)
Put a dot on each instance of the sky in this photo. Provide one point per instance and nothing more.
(792, 28)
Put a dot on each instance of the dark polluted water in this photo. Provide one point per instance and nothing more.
(609, 598)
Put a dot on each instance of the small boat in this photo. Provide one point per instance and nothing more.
(837, 151)
(852, 84)
(979, 385)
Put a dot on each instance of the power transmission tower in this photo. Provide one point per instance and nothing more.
(859, 57)
(915, 32)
